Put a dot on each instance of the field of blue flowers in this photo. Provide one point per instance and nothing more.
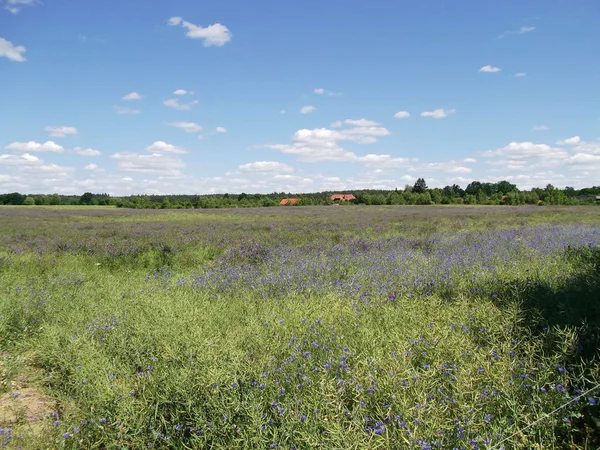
(317, 327)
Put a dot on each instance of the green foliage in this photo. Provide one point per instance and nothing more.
(113, 312)
(29, 201)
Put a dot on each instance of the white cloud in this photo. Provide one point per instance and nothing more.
(490, 69)
(182, 92)
(12, 52)
(322, 144)
(520, 74)
(570, 141)
(215, 34)
(20, 160)
(321, 91)
(154, 163)
(583, 159)
(387, 161)
(361, 123)
(525, 156)
(445, 167)
(188, 127)
(31, 146)
(91, 167)
(14, 6)
(336, 124)
(438, 113)
(469, 160)
(265, 166)
(540, 128)
(60, 131)
(122, 110)
(220, 130)
(162, 147)
(86, 152)
(174, 103)
(307, 109)
(132, 96)
(522, 30)
(402, 115)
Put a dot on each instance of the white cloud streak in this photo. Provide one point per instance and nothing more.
(212, 35)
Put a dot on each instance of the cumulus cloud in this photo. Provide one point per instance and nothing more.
(132, 96)
(122, 110)
(438, 113)
(31, 147)
(91, 167)
(188, 127)
(14, 6)
(60, 131)
(220, 130)
(570, 141)
(182, 92)
(175, 104)
(525, 156)
(12, 52)
(323, 144)
(154, 163)
(470, 160)
(321, 91)
(212, 35)
(445, 167)
(162, 147)
(86, 151)
(361, 123)
(264, 167)
(402, 115)
(307, 109)
(490, 69)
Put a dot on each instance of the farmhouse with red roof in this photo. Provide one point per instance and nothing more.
(289, 201)
(342, 197)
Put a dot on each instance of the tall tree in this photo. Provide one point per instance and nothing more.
(420, 186)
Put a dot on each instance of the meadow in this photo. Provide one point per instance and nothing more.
(349, 327)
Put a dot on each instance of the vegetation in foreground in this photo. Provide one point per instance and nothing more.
(377, 327)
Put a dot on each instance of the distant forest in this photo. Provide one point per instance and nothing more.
(476, 193)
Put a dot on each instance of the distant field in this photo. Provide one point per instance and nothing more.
(350, 327)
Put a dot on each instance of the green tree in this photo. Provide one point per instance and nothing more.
(29, 201)
(86, 199)
(420, 186)
(473, 187)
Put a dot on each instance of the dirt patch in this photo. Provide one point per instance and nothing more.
(26, 405)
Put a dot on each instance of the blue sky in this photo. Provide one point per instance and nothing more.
(130, 97)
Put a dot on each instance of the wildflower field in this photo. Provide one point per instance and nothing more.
(392, 327)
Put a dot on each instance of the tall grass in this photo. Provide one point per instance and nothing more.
(365, 328)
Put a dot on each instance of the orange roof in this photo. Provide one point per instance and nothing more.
(289, 201)
(344, 197)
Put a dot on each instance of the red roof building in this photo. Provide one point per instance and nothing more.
(342, 197)
(289, 201)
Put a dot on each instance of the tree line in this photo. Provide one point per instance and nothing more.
(476, 193)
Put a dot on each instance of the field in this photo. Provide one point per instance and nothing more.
(310, 327)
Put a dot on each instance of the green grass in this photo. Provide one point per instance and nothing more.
(105, 314)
